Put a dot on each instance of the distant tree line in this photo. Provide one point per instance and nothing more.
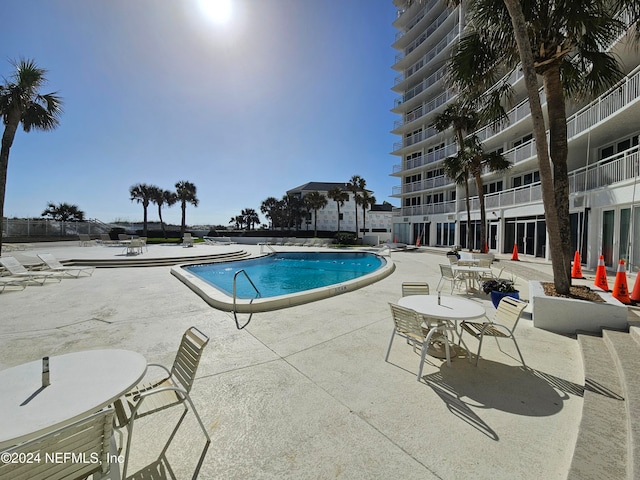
(289, 212)
(145, 194)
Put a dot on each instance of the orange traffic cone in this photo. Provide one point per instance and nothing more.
(635, 296)
(576, 271)
(620, 290)
(515, 252)
(601, 275)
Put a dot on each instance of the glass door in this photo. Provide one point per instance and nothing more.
(608, 227)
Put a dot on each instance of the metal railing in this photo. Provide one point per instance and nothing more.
(235, 309)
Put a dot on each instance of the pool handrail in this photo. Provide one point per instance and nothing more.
(235, 313)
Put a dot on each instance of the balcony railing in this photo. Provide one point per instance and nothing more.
(425, 184)
(422, 38)
(421, 87)
(430, 55)
(416, 18)
(620, 168)
(429, 209)
(425, 109)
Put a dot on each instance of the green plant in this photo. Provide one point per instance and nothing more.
(498, 285)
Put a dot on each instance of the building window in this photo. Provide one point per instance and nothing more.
(523, 140)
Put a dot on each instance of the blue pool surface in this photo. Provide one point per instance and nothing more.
(287, 272)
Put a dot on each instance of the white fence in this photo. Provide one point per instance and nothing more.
(25, 227)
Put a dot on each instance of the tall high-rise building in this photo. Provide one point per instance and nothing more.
(603, 160)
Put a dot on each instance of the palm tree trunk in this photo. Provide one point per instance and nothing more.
(468, 205)
(164, 232)
(560, 279)
(183, 223)
(315, 223)
(356, 209)
(556, 110)
(483, 213)
(338, 217)
(364, 219)
(144, 220)
(7, 140)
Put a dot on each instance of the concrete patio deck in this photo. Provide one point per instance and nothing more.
(305, 392)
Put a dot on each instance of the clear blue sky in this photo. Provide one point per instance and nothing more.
(155, 91)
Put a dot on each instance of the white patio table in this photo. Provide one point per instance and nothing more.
(81, 383)
(449, 309)
(471, 273)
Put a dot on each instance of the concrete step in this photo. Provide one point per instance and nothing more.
(626, 354)
(601, 447)
(140, 261)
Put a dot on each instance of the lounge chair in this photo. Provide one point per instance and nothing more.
(173, 389)
(85, 240)
(105, 239)
(16, 269)
(55, 266)
(12, 282)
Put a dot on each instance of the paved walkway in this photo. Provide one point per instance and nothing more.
(305, 392)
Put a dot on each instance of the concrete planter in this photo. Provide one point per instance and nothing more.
(568, 315)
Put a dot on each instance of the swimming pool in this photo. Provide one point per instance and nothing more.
(283, 279)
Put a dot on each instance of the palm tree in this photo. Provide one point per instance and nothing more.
(563, 42)
(22, 103)
(185, 193)
(479, 161)
(456, 168)
(142, 193)
(463, 119)
(270, 208)
(63, 212)
(366, 200)
(238, 221)
(162, 197)
(315, 201)
(356, 185)
(250, 217)
(339, 196)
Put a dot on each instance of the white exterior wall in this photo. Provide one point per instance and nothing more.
(609, 187)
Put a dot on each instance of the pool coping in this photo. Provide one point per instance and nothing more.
(218, 299)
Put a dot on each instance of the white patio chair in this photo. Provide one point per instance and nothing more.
(187, 240)
(171, 390)
(408, 324)
(447, 274)
(415, 288)
(55, 266)
(509, 310)
(89, 438)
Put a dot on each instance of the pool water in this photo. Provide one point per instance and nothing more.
(288, 272)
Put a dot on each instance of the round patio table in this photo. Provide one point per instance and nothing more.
(81, 383)
(450, 309)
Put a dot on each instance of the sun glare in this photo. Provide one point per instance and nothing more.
(218, 11)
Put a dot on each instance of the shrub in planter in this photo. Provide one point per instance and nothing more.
(498, 289)
(345, 238)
